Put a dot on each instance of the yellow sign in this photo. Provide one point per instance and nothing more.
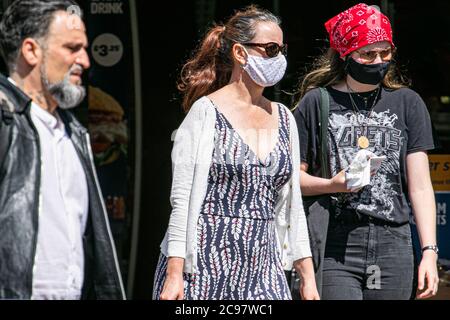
(440, 171)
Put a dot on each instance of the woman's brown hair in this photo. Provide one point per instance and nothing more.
(210, 67)
(329, 69)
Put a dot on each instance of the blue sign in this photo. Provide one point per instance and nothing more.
(443, 226)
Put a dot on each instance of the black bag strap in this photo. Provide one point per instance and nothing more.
(323, 122)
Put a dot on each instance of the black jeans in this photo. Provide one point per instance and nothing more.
(367, 259)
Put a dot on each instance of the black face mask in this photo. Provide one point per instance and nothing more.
(366, 73)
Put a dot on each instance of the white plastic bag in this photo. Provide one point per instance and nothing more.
(365, 164)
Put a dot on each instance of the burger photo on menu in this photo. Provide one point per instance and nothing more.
(108, 130)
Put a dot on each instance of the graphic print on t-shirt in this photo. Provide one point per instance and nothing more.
(385, 140)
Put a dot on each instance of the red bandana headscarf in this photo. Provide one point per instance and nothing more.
(357, 27)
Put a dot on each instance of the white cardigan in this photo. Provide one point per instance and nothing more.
(191, 161)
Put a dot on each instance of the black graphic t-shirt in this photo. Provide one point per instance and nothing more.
(398, 125)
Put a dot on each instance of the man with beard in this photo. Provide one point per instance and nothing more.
(55, 241)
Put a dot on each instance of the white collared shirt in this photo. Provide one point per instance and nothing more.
(58, 271)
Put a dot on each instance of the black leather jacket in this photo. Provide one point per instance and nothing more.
(20, 173)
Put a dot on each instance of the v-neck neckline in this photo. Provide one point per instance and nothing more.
(273, 149)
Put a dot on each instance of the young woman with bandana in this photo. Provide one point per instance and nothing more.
(237, 218)
(369, 253)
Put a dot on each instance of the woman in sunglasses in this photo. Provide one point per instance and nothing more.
(369, 253)
(237, 218)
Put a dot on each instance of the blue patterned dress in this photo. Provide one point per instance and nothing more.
(237, 253)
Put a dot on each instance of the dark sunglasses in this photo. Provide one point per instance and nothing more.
(272, 49)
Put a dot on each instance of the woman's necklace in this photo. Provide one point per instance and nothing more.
(363, 141)
(365, 99)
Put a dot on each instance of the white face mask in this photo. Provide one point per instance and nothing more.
(265, 72)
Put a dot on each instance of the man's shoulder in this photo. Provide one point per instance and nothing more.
(11, 96)
(6, 101)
